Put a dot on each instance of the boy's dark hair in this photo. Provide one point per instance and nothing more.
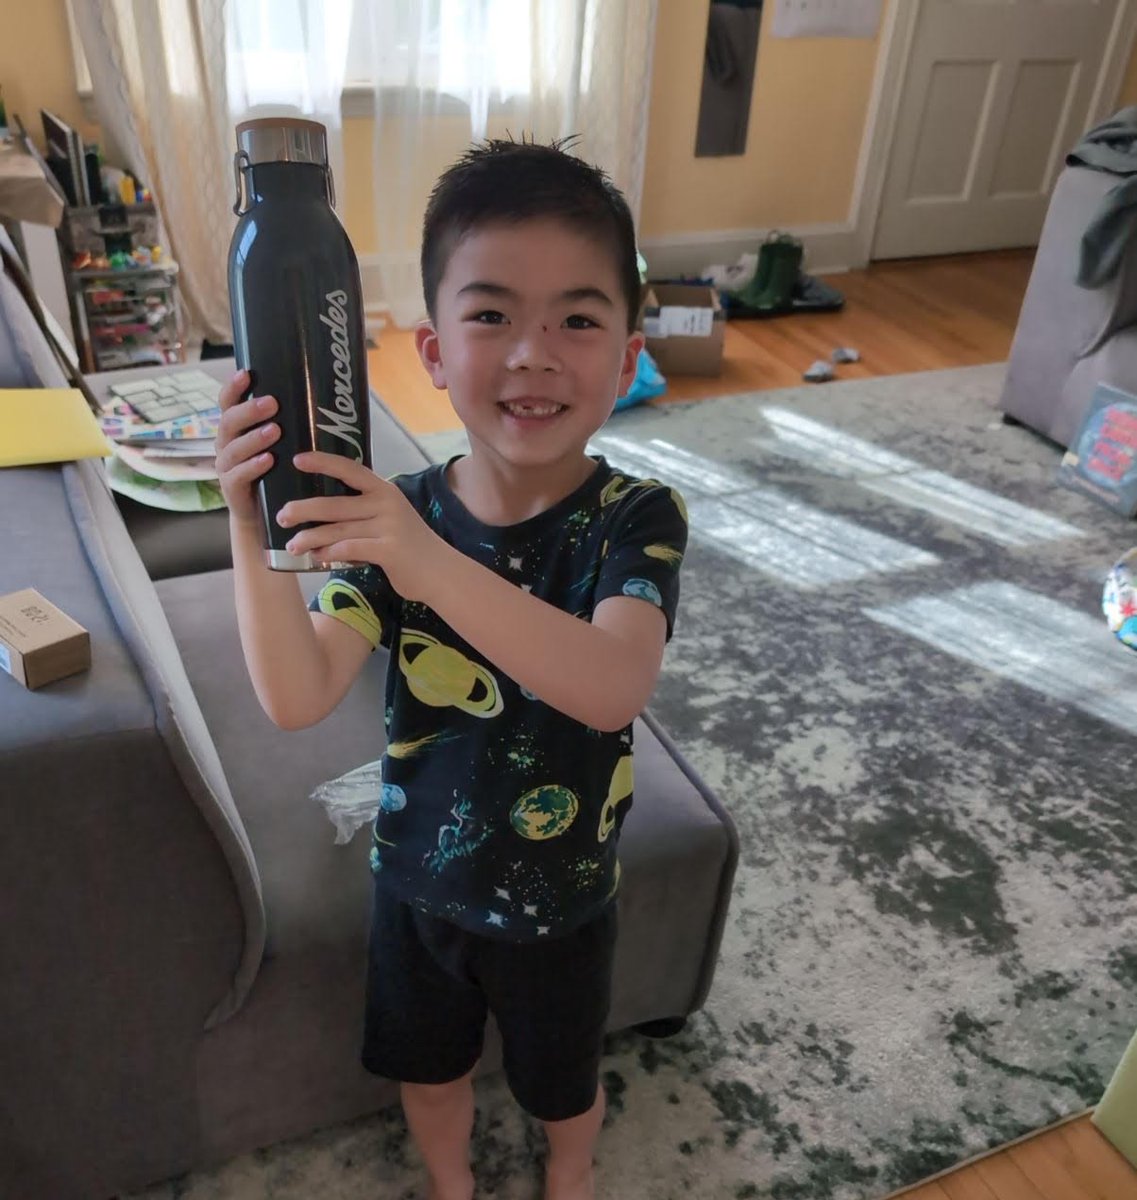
(502, 181)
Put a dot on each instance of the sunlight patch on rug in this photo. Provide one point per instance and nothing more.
(909, 482)
(659, 459)
(1029, 638)
(780, 536)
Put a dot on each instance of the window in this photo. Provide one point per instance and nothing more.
(454, 47)
(450, 46)
(287, 52)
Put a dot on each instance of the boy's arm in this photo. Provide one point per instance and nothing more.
(600, 673)
(301, 664)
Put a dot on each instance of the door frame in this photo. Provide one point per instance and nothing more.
(900, 22)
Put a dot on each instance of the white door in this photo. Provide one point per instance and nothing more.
(996, 92)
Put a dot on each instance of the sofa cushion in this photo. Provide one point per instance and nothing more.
(315, 892)
(677, 849)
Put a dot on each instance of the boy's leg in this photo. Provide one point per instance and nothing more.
(423, 1026)
(441, 1119)
(572, 1144)
(552, 1039)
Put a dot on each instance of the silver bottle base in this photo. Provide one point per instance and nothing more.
(281, 560)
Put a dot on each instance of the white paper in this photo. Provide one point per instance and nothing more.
(682, 321)
(826, 18)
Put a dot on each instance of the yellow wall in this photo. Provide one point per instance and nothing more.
(806, 119)
(36, 67)
(807, 116)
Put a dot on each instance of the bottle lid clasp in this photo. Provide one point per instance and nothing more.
(240, 164)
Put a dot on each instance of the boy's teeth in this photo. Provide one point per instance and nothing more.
(532, 410)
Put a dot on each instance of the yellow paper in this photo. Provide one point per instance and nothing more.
(48, 425)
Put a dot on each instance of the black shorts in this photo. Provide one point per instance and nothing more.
(430, 985)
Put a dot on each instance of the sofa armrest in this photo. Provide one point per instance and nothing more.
(1114, 362)
(141, 623)
(26, 359)
(124, 930)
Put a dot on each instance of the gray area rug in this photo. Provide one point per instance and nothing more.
(891, 665)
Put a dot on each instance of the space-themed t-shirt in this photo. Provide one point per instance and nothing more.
(498, 812)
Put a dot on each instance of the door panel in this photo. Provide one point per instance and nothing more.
(996, 93)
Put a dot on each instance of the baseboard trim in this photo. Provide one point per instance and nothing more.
(403, 270)
(370, 266)
(829, 249)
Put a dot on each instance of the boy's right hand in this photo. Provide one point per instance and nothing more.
(242, 446)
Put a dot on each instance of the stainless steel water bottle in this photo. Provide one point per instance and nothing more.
(297, 309)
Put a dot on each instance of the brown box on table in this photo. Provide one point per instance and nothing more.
(38, 642)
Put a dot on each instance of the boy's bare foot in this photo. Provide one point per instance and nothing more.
(576, 1185)
(461, 1189)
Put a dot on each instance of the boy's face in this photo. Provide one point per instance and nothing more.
(531, 338)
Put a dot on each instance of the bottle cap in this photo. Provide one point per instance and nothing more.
(283, 139)
(278, 139)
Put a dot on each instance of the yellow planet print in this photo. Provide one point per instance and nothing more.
(680, 504)
(347, 603)
(545, 812)
(410, 747)
(617, 487)
(443, 677)
(667, 554)
(618, 790)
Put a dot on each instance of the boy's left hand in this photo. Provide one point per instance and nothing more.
(378, 526)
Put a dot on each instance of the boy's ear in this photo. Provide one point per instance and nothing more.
(632, 350)
(429, 350)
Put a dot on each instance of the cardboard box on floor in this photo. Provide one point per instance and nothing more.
(685, 326)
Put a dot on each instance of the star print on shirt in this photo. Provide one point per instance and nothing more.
(526, 587)
(496, 919)
(542, 930)
(530, 910)
(515, 564)
(502, 893)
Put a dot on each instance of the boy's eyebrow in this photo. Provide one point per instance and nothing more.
(486, 288)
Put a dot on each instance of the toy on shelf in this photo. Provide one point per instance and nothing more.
(123, 287)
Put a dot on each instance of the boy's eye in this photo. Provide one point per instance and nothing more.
(488, 316)
(580, 321)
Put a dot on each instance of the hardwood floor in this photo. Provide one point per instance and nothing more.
(1072, 1162)
(917, 315)
(914, 315)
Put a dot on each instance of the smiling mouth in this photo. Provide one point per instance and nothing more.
(525, 408)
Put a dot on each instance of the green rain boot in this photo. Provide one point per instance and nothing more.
(777, 295)
(755, 286)
(779, 260)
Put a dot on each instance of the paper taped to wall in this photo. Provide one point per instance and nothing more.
(826, 18)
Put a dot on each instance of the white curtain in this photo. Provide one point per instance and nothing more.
(450, 72)
(287, 58)
(158, 76)
(171, 79)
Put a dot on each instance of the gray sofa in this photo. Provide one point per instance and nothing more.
(181, 940)
(1068, 338)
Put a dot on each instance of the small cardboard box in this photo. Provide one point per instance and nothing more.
(38, 643)
(685, 326)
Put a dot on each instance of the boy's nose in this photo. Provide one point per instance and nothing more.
(531, 351)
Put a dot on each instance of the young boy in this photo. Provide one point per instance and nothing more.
(525, 591)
